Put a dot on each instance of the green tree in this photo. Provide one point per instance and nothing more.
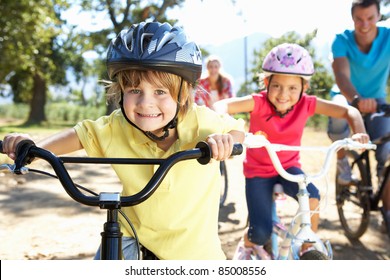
(38, 47)
(385, 3)
(31, 59)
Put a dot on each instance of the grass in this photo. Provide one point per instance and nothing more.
(7, 127)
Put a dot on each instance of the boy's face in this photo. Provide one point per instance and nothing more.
(284, 91)
(149, 107)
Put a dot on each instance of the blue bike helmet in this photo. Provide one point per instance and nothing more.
(155, 46)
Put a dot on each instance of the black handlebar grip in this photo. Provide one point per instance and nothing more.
(207, 154)
(237, 149)
(22, 153)
(385, 108)
(18, 146)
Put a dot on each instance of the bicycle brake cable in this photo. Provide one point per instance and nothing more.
(134, 232)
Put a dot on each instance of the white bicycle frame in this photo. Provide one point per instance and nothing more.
(300, 231)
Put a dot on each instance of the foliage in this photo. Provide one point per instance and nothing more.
(384, 4)
(63, 113)
(32, 55)
(38, 47)
(26, 34)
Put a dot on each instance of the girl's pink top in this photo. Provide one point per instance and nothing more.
(287, 130)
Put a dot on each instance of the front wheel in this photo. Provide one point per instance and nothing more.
(313, 255)
(353, 201)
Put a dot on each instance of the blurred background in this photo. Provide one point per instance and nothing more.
(53, 51)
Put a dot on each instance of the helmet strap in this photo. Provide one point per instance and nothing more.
(170, 125)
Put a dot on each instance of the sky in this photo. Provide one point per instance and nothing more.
(215, 22)
(218, 21)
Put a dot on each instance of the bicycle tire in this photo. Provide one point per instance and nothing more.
(353, 201)
(314, 255)
(224, 183)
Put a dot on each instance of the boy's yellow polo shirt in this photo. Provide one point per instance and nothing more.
(180, 220)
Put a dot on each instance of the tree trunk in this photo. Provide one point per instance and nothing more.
(38, 101)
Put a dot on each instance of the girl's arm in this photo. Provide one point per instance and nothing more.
(351, 114)
(235, 105)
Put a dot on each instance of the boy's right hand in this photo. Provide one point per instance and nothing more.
(11, 141)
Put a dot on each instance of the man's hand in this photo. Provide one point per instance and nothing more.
(367, 105)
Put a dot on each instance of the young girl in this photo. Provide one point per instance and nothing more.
(280, 113)
(215, 86)
(154, 68)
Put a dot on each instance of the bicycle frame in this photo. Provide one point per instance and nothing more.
(375, 196)
(111, 242)
(300, 230)
(357, 199)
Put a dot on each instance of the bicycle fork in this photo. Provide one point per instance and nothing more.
(300, 231)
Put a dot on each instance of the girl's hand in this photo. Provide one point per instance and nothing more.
(221, 145)
(11, 141)
(361, 138)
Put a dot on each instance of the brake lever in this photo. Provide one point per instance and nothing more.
(374, 115)
(12, 169)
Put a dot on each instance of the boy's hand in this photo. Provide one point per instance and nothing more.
(221, 145)
(11, 141)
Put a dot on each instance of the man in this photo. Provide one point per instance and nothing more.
(361, 63)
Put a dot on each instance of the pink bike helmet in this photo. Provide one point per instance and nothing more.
(288, 59)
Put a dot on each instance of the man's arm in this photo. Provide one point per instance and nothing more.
(342, 75)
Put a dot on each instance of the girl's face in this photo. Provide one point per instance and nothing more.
(148, 106)
(284, 91)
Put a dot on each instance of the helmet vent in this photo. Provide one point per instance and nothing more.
(129, 40)
(146, 38)
(166, 38)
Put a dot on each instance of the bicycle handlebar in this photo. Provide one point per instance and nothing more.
(259, 141)
(382, 110)
(26, 151)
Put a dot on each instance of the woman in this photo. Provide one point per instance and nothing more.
(216, 86)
